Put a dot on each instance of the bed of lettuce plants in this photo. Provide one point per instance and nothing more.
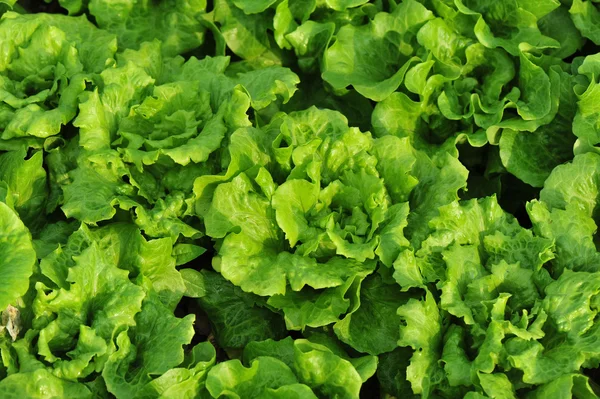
(299, 199)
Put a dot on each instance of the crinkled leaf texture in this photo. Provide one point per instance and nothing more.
(17, 256)
(299, 199)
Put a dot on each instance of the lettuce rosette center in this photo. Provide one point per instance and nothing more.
(43, 70)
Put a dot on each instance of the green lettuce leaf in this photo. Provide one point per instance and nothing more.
(43, 70)
(421, 330)
(313, 364)
(391, 373)
(236, 316)
(41, 384)
(177, 24)
(266, 377)
(565, 387)
(29, 193)
(585, 16)
(95, 283)
(585, 123)
(548, 146)
(518, 19)
(154, 347)
(320, 307)
(247, 35)
(350, 60)
(566, 213)
(151, 263)
(18, 256)
(187, 380)
(373, 327)
(572, 231)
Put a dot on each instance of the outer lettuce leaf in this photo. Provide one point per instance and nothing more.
(518, 18)
(574, 185)
(585, 16)
(458, 279)
(154, 268)
(566, 213)
(266, 377)
(373, 327)
(253, 246)
(350, 60)
(585, 123)
(287, 18)
(398, 115)
(572, 232)
(571, 310)
(396, 160)
(27, 182)
(187, 380)
(421, 331)
(94, 191)
(316, 365)
(153, 347)
(365, 365)
(454, 358)
(531, 156)
(497, 384)
(565, 387)
(569, 35)
(316, 308)
(17, 254)
(41, 384)
(391, 373)
(309, 41)
(531, 252)
(267, 85)
(237, 317)
(51, 236)
(247, 35)
(440, 177)
(176, 23)
(56, 264)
